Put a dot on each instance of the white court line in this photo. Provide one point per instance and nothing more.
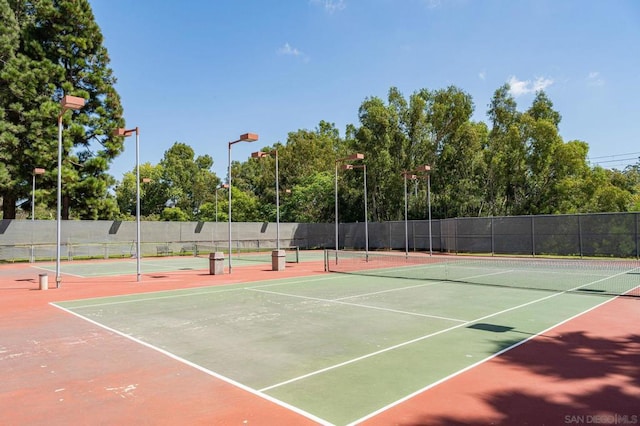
(203, 369)
(260, 392)
(188, 292)
(358, 305)
(457, 373)
(61, 271)
(374, 293)
(421, 285)
(427, 336)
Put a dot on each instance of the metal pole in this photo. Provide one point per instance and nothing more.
(406, 227)
(138, 252)
(429, 203)
(580, 235)
(216, 205)
(33, 199)
(277, 205)
(59, 200)
(366, 215)
(336, 204)
(33, 216)
(493, 242)
(637, 215)
(229, 175)
(533, 237)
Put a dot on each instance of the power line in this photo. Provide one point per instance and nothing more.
(615, 155)
(618, 160)
(613, 160)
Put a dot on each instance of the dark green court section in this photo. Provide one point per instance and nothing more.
(339, 347)
(128, 266)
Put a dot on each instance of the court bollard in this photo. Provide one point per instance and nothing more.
(278, 260)
(216, 263)
(43, 280)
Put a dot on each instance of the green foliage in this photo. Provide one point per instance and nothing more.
(187, 179)
(516, 164)
(153, 192)
(174, 214)
(312, 200)
(50, 49)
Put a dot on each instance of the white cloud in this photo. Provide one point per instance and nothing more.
(482, 75)
(524, 87)
(330, 6)
(541, 83)
(287, 49)
(594, 79)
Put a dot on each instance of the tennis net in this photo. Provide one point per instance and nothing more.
(597, 276)
(257, 254)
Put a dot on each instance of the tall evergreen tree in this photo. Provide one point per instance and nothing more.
(59, 52)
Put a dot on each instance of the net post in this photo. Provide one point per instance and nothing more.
(580, 234)
(637, 215)
(326, 260)
(493, 247)
(533, 237)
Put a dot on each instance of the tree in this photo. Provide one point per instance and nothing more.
(244, 206)
(455, 156)
(505, 155)
(188, 179)
(312, 200)
(307, 152)
(174, 214)
(383, 138)
(459, 174)
(59, 52)
(153, 192)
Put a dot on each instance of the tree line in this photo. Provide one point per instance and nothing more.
(518, 164)
(515, 164)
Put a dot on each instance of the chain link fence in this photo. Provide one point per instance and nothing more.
(605, 234)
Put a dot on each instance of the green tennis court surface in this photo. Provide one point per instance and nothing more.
(99, 268)
(337, 347)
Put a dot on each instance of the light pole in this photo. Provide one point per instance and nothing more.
(427, 169)
(67, 103)
(126, 133)
(277, 254)
(36, 171)
(366, 215)
(352, 157)
(247, 137)
(406, 175)
(261, 154)
(224, 185)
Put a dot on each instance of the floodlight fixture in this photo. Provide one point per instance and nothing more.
(352, 157)
(67, 103)
(246, 137)
(120, 132)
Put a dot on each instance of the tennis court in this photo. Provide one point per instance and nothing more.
(126, 266)
(341, 348)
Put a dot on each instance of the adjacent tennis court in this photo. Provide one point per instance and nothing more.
(126, 266)
(340, 348)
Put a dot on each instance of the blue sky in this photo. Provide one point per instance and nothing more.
(203, 72)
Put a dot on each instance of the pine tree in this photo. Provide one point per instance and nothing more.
(58, 52)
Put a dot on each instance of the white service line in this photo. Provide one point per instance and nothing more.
(390, 348)
(185, 293)
(204, 370)
(358, 305)
(457, 373)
